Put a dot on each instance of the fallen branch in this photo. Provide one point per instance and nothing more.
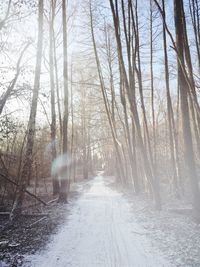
(34, 205)
(32, 224)
(31, 206)
(34, 214)
(26, 191)
(138, 233)
(25, 214)
(51, 201)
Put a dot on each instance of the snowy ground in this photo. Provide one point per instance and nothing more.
(176, 234)
(100, 232)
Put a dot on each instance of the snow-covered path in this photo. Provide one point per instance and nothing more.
(100, 232)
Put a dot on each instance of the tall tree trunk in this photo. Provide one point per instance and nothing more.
(152, 85)
(52, 86)
(84, 133)
(170, 116)
(72, 151)
(64, 183)
(195, 116)
(194, 12)
(26, 169)
(131, 73)
(183, 86)
(57, 90)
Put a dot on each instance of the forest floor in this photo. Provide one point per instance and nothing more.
(174, 230)
(103, 226)
(29, 234)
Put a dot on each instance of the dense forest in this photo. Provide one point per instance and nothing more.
(88, 86)
(107, 85)
(93, 86)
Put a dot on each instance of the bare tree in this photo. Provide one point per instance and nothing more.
(11, 87)
(134, 112)
(26, 168)
(183, 87)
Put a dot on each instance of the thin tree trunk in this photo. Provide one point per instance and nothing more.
(72, 128)
(57, 89)
(170, 115)
(152, 85)
(52, 86)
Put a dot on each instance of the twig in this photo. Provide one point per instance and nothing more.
(41, 219)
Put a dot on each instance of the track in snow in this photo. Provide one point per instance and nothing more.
(100, 232)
